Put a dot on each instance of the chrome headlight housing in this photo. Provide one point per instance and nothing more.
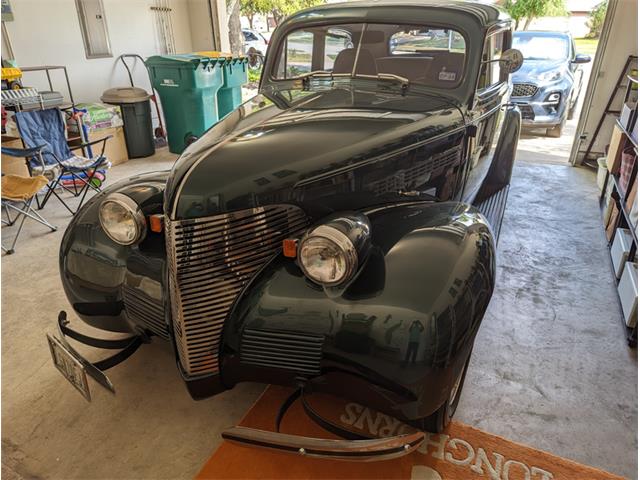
(330, 254)
(122, 220)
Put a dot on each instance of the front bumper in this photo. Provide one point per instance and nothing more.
(537, 110)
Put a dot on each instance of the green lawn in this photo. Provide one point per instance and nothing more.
(586, 45)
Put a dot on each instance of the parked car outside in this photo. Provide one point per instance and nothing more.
(547, 87)
(336, 233)
(254, 46)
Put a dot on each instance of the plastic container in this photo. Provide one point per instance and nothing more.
(136, 116)
(236, 74)
(601, 177)
(187, 85)
(628, 292)
(620, 249)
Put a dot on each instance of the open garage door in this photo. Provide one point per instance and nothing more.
(616, 45)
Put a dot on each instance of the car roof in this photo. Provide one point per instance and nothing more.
(377, 11)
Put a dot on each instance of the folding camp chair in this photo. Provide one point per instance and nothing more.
(17, 196)
(48, 154)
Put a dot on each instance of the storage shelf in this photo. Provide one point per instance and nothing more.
(624, 130)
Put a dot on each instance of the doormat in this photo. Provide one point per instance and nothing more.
(460, 453)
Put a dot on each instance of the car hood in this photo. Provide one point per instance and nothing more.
(263, 151)
(530, 69)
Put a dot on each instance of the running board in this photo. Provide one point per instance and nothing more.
(493, 209)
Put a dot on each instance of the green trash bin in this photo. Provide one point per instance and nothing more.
(187, 85)
(235, 76)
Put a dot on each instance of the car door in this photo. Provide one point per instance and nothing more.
(487, 114)
(577, 73)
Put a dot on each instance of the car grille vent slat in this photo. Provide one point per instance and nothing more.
(297, 352)
(211, 260)
(524, 90)
(145, 310)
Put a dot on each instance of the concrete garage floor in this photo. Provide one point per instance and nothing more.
(550, 369)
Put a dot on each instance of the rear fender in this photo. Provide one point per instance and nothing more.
(499, 174)
(424, 288)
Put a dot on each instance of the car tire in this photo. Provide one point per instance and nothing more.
(556, 132)
(440, 419)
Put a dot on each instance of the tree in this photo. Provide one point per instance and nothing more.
(527, 10)
(279, 9)
(251, 8)
(596, 19)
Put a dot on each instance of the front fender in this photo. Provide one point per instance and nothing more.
(96, 272)
(399, 331)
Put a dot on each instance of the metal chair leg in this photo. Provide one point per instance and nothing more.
(28, 211)
(11, 250)
(31, 213)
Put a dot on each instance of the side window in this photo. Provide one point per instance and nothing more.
(490, 73)
(335, 42)
(298, 53)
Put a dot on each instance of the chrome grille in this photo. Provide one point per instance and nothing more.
(298, 352)
(524, 90)
(211, 260)
(145, 310)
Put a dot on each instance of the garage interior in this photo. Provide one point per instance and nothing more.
(554, 365)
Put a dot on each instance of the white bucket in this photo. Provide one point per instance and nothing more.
(602, 172)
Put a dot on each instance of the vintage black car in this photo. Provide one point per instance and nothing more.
(336, 233)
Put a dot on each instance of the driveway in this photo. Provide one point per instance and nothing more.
(535, 147)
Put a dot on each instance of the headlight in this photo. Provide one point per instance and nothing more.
(330, 254)
(550, 76)
(122, 220)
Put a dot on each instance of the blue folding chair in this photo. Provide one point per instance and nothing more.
(48, 154)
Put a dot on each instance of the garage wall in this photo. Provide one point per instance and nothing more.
(200, 19)
(48, 32)
(619, 40)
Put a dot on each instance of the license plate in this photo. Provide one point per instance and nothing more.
(69, 366)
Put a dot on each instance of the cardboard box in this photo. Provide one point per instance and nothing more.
(615, 149)
(116, 148)
(13, 165)
(613, 221)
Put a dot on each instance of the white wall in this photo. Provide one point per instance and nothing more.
(619, 42)
(200, 19)
(47, 32)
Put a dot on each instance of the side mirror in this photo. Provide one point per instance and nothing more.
(581, 58)
(511, 60)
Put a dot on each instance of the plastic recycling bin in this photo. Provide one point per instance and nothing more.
(187, 85)
(236, 74)
(136, 115)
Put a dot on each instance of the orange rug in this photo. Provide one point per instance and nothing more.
(462, 452)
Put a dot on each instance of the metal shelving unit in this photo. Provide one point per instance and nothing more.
(620, 196)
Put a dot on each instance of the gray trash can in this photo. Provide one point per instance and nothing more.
(136, 115)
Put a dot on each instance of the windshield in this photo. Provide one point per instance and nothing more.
(541, 47)
(418, 53)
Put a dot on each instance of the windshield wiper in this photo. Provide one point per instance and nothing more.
(404, 81)
(321, 74)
